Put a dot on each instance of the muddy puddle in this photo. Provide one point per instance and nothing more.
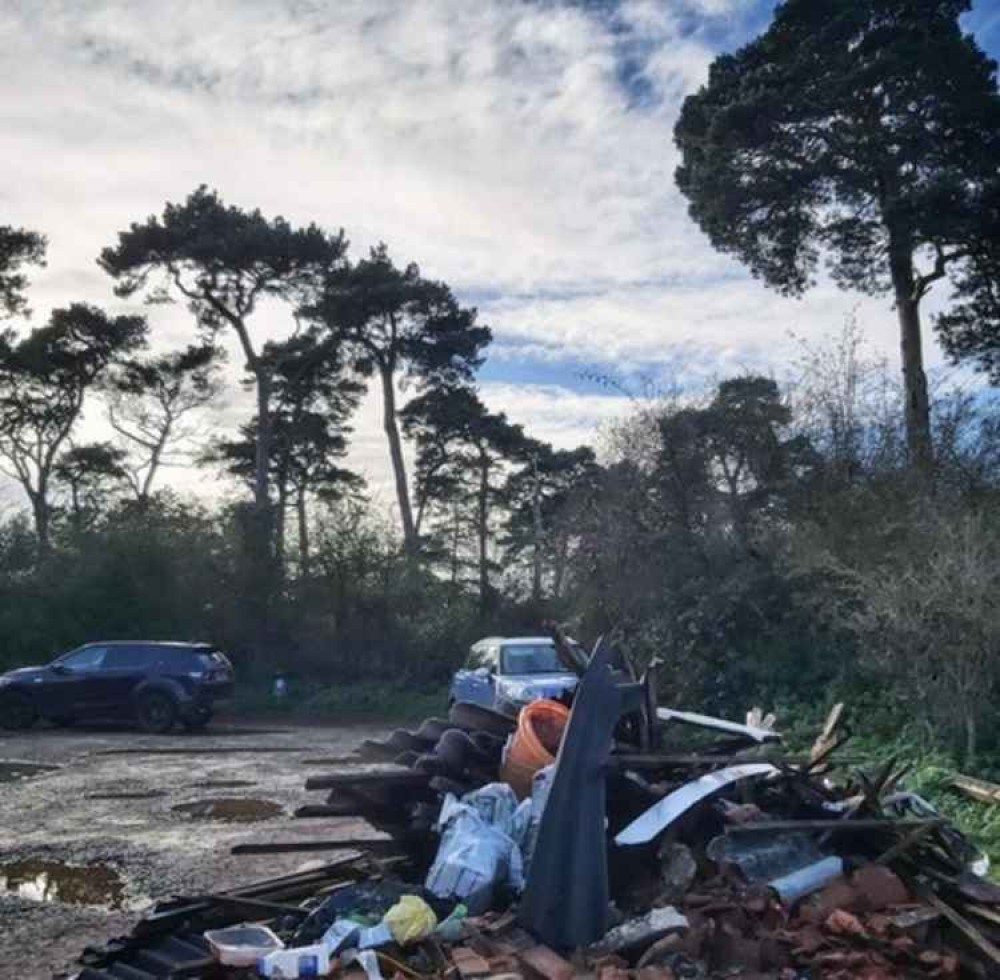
(94, 886)
(13, 772)
(228, 810)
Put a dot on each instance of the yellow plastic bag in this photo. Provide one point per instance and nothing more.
(410, 919)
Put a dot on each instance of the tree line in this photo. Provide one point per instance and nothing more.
(479, 482)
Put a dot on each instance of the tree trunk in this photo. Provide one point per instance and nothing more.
(562, 558)
(536, 515)
(300, 507)
(398, 463)
(262, 456)
(482, 528)
(154, 462)
(455, 533)
(42, 517)
(971, 741)
(280, 522)
(917, 403)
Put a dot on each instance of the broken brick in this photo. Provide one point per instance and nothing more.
(879, 888)
(545, 963)
(469, 963)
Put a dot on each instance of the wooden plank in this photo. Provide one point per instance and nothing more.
(977, 789)
(962, 924)
(825, 738)
(846, 826)
(213, 750)
(369, 777)
(903, 845)
(304, 846)
(271, 909)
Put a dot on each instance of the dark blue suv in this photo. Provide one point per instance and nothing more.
(157, 684)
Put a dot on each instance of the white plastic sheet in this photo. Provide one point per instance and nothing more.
(660, 816)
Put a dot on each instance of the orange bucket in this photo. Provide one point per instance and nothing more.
(534, 745)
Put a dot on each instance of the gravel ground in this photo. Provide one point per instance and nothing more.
(76, 870)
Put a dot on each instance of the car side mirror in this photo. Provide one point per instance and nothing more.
(483, 672)
(60, 669)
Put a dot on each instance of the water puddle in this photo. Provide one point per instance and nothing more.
(223, 784)
(95, 886)
(230, 810)
(13, 772)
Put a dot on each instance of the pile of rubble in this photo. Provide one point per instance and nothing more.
(656, 844)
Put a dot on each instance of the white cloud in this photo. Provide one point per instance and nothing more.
(494, 142)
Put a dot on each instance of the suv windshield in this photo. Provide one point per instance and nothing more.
(527, 658)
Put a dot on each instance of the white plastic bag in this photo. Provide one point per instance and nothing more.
(477, 853)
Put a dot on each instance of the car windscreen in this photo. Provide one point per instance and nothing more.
(214, 660)
(525, 658)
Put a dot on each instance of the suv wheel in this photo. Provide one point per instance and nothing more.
(16, 711)
(197, 722)
(157, 712)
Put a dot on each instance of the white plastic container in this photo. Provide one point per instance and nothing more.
(242, 945)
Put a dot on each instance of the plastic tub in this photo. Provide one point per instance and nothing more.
(242, 945)
(534, 744)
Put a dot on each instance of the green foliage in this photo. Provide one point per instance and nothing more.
(18, 247)
(45, 378)
(846, 123)
(970, 329)
(864, 133)
(222, 259)
(395, 323)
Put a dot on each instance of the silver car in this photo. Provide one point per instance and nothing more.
(510, 672)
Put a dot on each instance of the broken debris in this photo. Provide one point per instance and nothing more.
(651, 858)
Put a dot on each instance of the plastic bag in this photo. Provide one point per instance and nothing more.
(476, 856)
(410, 919)
(528, 817)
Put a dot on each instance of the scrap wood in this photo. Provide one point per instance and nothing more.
(210, 750)
(851, 826)
(963, 925)
(363, 844)
(646, 761)
(903, 845)
(824, 740)
(983, 912)
(379, 777)
(977, 789)
(272, 909)
(819, 763)
(568, 656)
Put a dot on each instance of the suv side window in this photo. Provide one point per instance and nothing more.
(129, 658)
(89, 660)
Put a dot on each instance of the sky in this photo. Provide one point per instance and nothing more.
(520, 150)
